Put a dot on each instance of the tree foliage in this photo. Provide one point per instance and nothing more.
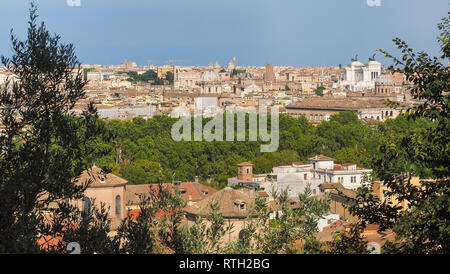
(423, 227)
(44, 145)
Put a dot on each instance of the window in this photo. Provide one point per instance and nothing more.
(183, 191)
(118, 206)
(305, 176)
(242, 206)
(248, 170)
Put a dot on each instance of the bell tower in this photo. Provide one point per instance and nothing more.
(245, 172)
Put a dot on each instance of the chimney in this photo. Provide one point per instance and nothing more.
(196, 179)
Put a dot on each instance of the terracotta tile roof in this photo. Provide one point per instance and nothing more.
(132, 193)
(134, 213)
(338, 189)
(228, 200)
(48, 242)
(330, 185)
(321, 158)
(196, 191)
(190, 191)
(245, 164)
(343, 104)
(275, 206)
(99, 178)
(370, 233)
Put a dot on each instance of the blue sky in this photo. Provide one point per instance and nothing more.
(281, 32)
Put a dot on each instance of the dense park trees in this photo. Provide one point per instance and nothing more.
(146, 77)
(143, 151)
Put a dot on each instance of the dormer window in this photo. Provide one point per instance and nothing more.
(242, 206)
(102, 179)
(183, 191)
(205, 192)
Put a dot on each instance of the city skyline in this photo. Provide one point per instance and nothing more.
(290, 33)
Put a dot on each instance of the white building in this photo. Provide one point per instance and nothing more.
(349, 175)
(321, 169)
(327, 220)
(208, 106)
(297, 176)
(359, 76)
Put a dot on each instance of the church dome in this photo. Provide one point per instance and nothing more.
(210, 76)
